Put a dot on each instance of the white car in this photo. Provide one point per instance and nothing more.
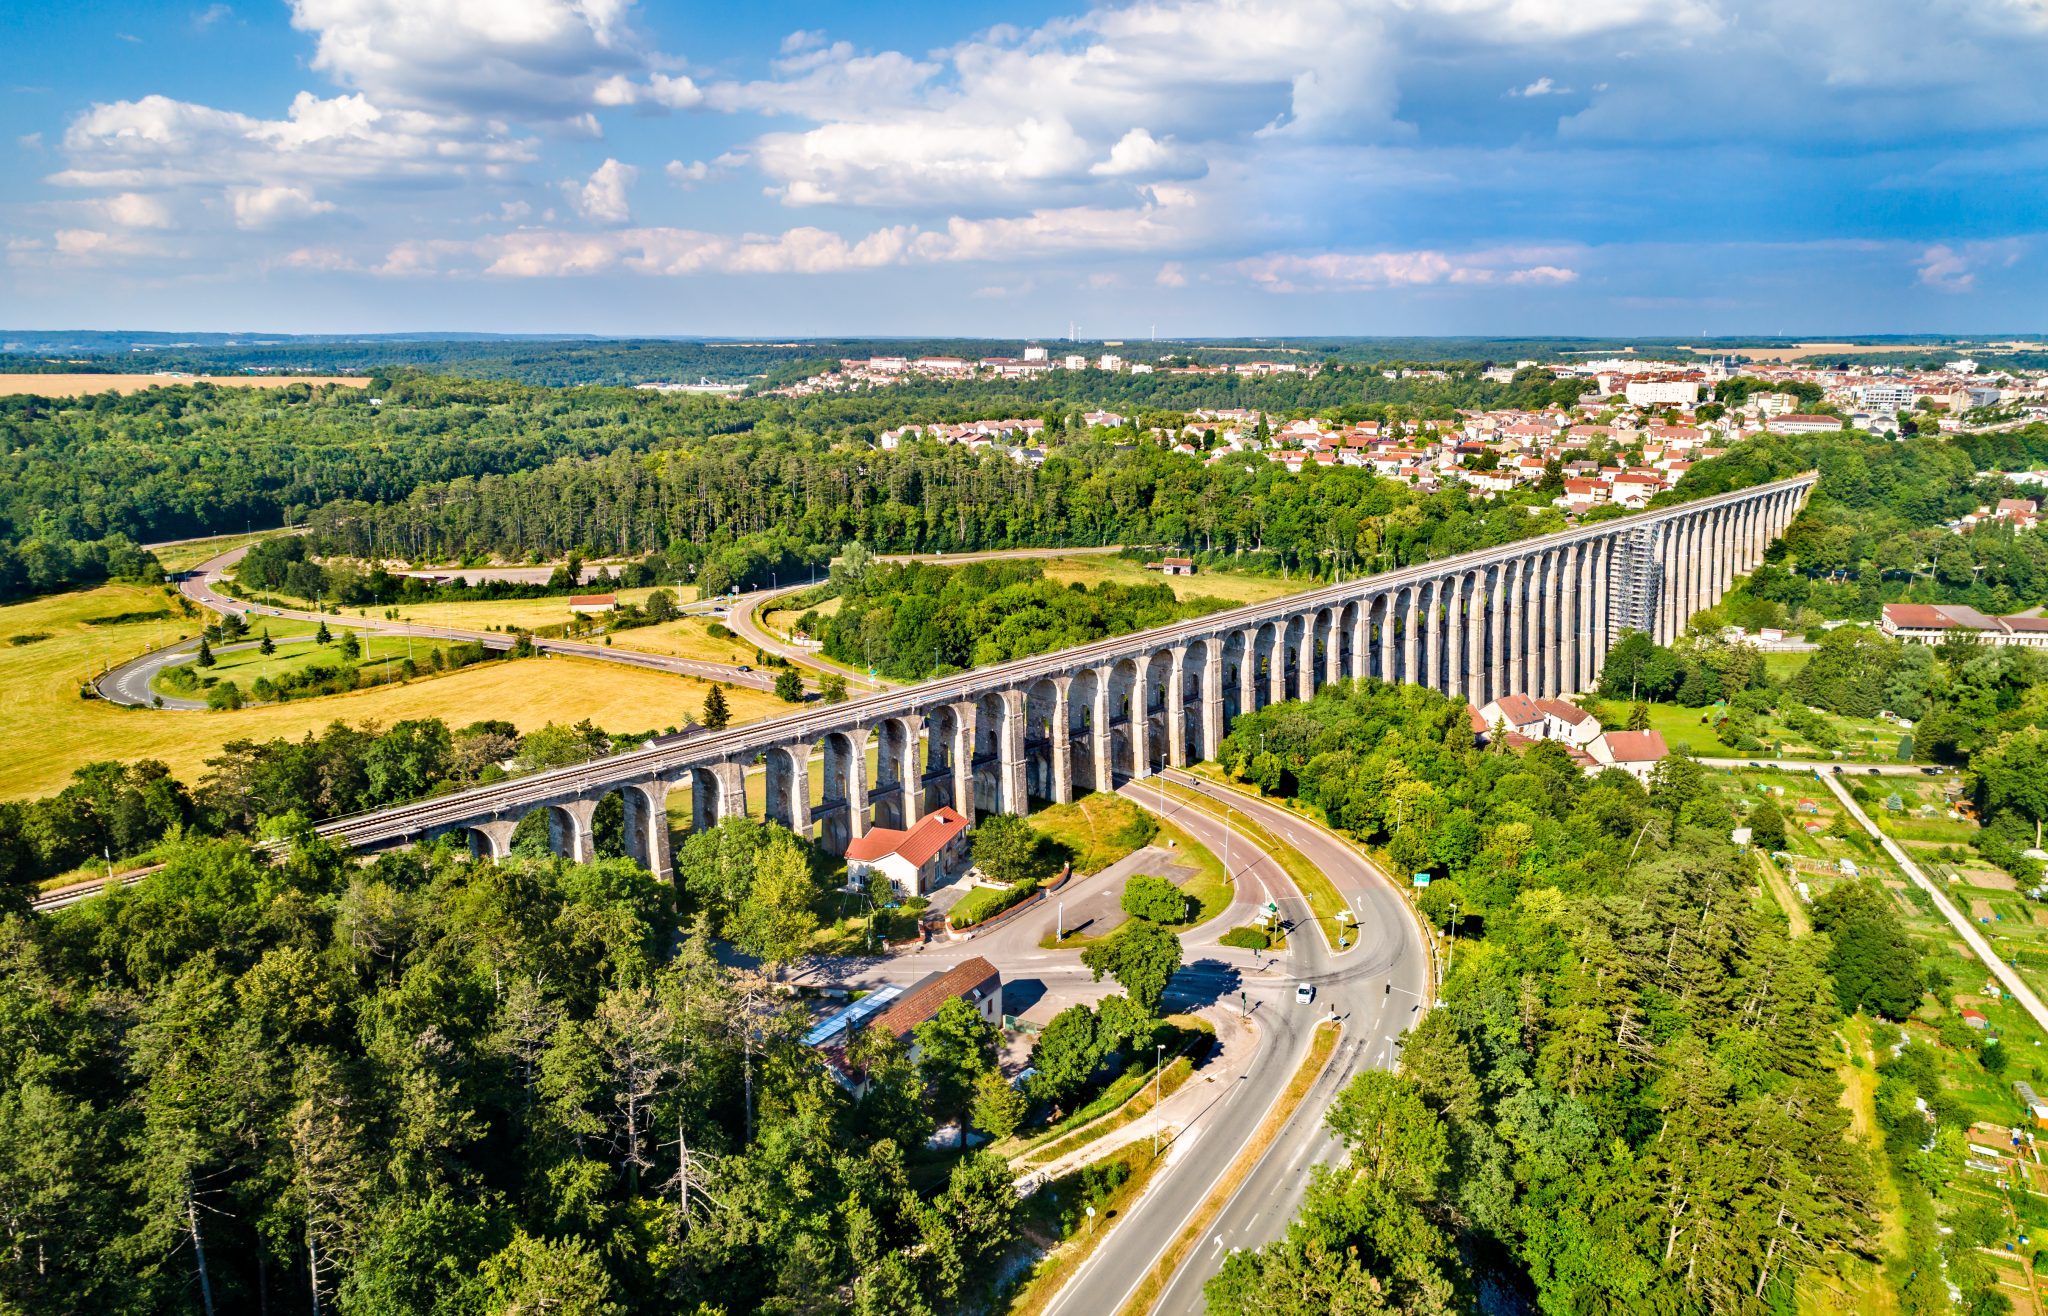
(1304, 994)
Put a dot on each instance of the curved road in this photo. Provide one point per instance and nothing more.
(129, 683)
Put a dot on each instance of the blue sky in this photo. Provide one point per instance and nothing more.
(1198, 167)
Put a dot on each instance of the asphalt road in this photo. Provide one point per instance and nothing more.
(1377, 990)
(1832, 767)
(130, 682)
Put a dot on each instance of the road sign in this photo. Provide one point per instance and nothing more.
(1422, 879)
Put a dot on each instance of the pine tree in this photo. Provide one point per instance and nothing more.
(206, 658)
(717, 716)
(269, 646)
(323, 635)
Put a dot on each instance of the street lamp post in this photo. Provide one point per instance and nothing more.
(1158, 1072)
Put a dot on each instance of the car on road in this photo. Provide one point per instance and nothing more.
(1873, 772)
(1304, 993)
(745, 668)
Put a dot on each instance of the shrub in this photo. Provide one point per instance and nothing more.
(718, 630)
(1246, 938)
(985, 902)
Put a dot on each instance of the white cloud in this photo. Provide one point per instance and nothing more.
(135, 210)
(603, 196)
(210, 15)
(1171, 275)
(829, 82)
(323, 260)
(159, 142)
(83, 246)
(264, 207)
(687, 175)
(1542, 87)
(1138, 153)
(675, 252)
(534, 58)
(1955, 268)
(1346, 271)
(660, 90)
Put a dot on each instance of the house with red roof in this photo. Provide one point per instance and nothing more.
(1635, 752)
(917, 859)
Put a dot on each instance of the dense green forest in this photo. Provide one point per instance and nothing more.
(117, 810)
(913, 620)
(1625, 1100)
(1875, 529)
(433, 1085)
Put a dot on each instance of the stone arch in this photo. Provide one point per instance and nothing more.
(842, 805)
(788, 796)
(717, 791)
(1044, 711)
(1127, 718)
(1236, 652)
(898, 790)
(1088, 718)
(948, 747)
(1191, 663)
(1151, 714)
(1269, 663)
(991, 713)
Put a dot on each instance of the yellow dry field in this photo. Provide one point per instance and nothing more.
(49, 731)
(76, 386)
(686, 637)
(502, 614)
(1098, 570)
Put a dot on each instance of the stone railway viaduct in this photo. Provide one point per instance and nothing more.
(1536, 616)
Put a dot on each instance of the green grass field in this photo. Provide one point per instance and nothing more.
(50, 730)
(1095, 830)
(1238, 587)
(381, 656)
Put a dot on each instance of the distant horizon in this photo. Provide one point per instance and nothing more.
(1907, 338)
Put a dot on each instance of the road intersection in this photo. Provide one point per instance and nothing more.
(1376, 988)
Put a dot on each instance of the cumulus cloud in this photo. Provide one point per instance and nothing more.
(160, 142)
(526, 57)
(264, 207)
(1541, 87)
(687, 175)
(1354, 271)
(602, 196)
(1948, 268)
(1171, 275)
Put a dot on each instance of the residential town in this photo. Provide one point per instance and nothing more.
(1634, 431)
